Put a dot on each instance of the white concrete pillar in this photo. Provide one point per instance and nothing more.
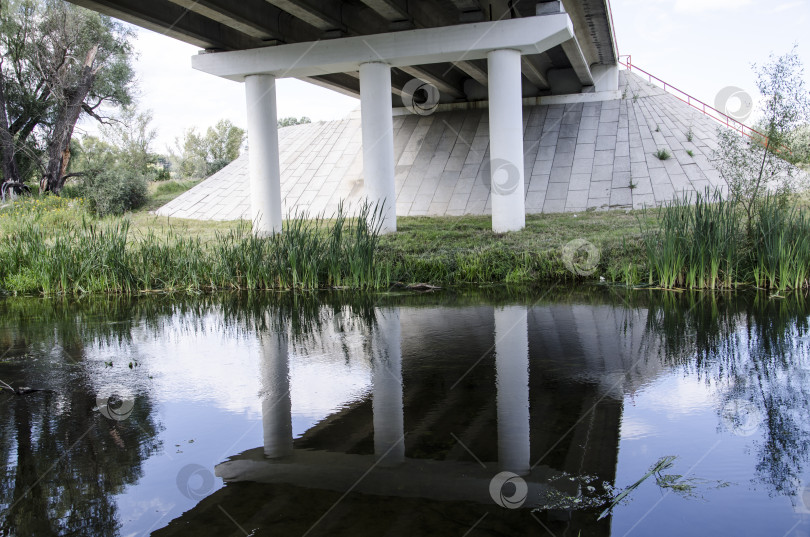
(389, 424)
(506, 141)
(265, 171)
(512, 380)
(276, 401)
(378, 140)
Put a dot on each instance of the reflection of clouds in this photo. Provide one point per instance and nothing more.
(634, 428)
(151, 510)
(205, 367)
(220, 368)
(326, 382)
(677, 396)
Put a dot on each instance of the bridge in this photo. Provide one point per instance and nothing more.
(461, 53)
(544, 401)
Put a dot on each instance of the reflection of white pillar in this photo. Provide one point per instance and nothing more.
(512, 370)
(265, 171)
(506, 141)
(389, 426)
(378, 140)
(276, 401)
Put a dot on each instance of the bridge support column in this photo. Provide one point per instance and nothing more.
(389, 425)
(512, 371)
(506, 141)
(265, 171)
(276, 401)
(378, 140)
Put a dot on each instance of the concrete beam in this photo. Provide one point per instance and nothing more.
(391, 10)
(229, 15)
(578, 61)
(476, 73)
(349, 83)
(533, 72)
(342, 83)
(394, 10)
(466, 6)
(530, 35)
(440, 82)
(593, 30)
(174, 21)
(316, 15)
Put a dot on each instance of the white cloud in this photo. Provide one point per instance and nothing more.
(787, 6)
(709, 5)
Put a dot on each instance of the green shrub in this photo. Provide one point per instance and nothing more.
(174, 187)
(116, 191)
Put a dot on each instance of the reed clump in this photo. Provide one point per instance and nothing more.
(93, 256)
(707, 242)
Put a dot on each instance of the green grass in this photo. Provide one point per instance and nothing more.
(690, 153)
(696, 243)
(67, 250)
(98, 256)
(458, 250)
(662, 154)
(55, 246)
(162, 192)
(704, 243)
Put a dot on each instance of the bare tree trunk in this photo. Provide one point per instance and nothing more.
(8, 165)
(59, 147)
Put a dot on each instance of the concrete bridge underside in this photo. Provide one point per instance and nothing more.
(577, 157)
(458, 52)
(220, 25)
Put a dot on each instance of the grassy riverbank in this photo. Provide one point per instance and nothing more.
(55, 246)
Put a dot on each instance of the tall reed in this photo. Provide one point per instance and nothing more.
(705, 244)
(696, 243)
(780, 246)
(100, 257)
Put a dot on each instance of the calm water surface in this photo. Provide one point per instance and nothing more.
(438, 414)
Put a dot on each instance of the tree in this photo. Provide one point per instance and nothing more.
(200, 155)
(57, 62)
(116, 167)
(799, 144)
(290, 121)
(224, 142)
(125, 142)
(750, 166)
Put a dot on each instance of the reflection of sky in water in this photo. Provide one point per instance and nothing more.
(677, 415)
(206, 386)
(203, 378)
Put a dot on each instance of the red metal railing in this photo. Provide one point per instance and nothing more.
(697, 104)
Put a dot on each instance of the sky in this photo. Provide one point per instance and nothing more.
(699, 46)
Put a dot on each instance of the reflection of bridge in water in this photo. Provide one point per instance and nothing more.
(457, 396)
